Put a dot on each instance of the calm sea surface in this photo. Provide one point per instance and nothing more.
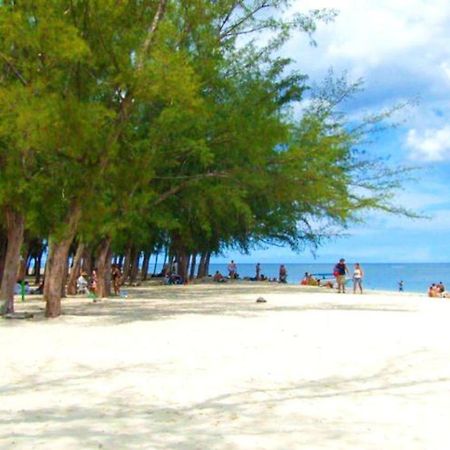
(416, 277)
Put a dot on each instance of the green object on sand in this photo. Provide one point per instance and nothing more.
(22, 290)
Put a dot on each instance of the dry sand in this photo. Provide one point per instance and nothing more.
(205, 367)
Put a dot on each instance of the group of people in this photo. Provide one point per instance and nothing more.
(89, 285)
(437, 290)
(309, 280)
(341, 271)
(233, 274)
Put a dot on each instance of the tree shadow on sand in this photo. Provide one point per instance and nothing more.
(162, 303)
(115, 421)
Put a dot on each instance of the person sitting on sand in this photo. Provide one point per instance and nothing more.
(82, 284)
(433, 291)
(305, 279)
(218, 277)
(441, 287)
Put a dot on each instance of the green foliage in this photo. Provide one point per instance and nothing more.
(176, 126)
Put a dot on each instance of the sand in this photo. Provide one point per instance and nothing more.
(205, 367)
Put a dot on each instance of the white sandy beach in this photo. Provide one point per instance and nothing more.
(205, 367)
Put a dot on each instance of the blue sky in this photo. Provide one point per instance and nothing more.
(401, 48)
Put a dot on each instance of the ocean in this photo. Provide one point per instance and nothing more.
(378, 276)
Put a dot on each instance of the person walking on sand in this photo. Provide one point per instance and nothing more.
(340, 271)
(358, 275)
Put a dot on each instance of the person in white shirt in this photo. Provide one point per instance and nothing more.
(358, 276)
(82, 285)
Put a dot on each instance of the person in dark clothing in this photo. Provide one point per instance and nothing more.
(340, 271)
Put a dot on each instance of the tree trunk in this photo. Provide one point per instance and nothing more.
(183, 264)
(15, 229)
(64, 279)
(23, 259)
(193, 264)
(208, 259)
(56, 264)
(203, 265)
(156, 263)
(145, 264)
(104, 268)
(3, 245)
(126, 264)
(37, 268)
(75, 271)
(108, 270)
(134, 266)
(87, 264)
(28, 265)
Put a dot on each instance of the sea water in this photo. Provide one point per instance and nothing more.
(416, 277)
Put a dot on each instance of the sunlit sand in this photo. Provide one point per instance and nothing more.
(206, 367)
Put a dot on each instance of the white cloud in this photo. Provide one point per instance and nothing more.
(400, 48)
(430, 145)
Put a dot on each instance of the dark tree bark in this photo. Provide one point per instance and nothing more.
(127, 264)
(28, 265)
(183, 264)
(38, 267)
(156, 263)
(88, 261)
(145, 264)
(108, 270)
(134, 270)
(3, 244)
(23, 259)
(193, 265)
(64, 279)
(208, 259)
(75, 270)
(15, 230)
(103, 259)
(203, 266)
(56, 264)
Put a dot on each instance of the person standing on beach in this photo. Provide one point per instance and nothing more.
(282, 275)
(340, 270)
(358, 275)
(116, 276)
(258, 271)
(232, 270)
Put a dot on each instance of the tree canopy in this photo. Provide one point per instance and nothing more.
(135, 125)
